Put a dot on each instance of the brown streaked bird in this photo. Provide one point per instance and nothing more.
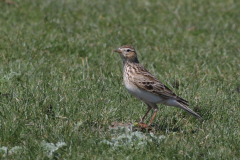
(144, 86)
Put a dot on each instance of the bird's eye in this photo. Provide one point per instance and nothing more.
(128, 50)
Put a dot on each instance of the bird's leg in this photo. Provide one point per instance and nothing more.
(155, 112)
(149, 108)
(141, 124)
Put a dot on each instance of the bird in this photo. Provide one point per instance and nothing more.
(144, 86)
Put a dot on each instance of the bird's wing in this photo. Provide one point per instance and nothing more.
(146, 81)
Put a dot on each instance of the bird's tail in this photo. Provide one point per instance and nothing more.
(184, 107)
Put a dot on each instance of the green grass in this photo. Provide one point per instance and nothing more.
(60, 80)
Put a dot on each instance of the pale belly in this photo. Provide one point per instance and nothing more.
(143, 95)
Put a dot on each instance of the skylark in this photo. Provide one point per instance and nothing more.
(144, 86)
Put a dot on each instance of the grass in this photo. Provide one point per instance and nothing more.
(61, 83)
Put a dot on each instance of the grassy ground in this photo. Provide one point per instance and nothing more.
(60, 80)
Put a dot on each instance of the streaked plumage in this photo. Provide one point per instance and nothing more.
(144, 86)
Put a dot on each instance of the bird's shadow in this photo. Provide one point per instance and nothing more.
(165, 127)
(159, 128)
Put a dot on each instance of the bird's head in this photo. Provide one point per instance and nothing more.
(127, 53)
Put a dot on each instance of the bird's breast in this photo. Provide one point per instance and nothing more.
(142, 94)
(135, 90)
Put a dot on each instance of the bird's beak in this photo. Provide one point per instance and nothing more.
(118, 50)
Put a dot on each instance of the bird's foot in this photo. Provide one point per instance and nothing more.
(142, 125)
